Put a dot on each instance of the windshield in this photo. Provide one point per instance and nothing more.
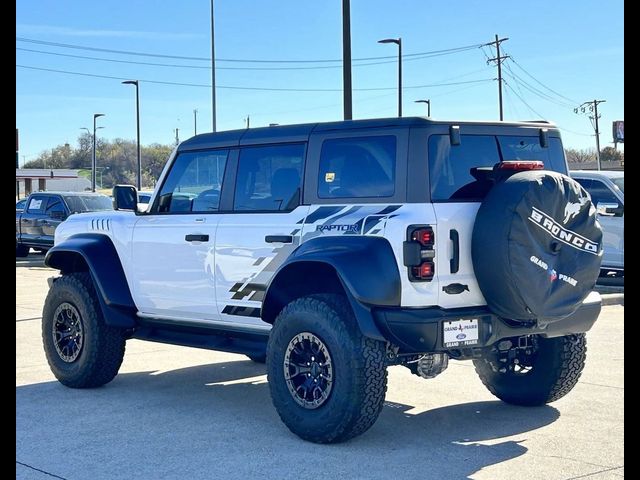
(87, 203)
(619, 182)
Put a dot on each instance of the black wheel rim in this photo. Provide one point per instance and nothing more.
(517, 361)
(68, 332)
(308, 370)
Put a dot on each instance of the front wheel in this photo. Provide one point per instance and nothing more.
(327, 380)
(541, 371)
(82, 350)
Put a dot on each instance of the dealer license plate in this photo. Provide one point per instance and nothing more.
(459, 333)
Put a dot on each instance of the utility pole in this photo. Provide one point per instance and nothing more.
(93, 162)
(498, 59)
(592, 106)
(346, 60)
(213, 76)
(195, 121)
(177, 138)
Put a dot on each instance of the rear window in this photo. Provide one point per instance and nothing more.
(528, 148)
(451, 168)
(87, 203)
(359, 167)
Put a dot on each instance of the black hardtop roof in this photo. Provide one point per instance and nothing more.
(301, 132)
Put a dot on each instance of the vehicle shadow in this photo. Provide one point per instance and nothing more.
(213, 420)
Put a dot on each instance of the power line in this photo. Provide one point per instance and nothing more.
(182, 57)
(573, 102)
(519, 80)
(523, 100)
(202, 67)
(270, 89)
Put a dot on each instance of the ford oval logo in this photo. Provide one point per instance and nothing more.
(461, 336)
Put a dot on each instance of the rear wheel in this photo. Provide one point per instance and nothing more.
(81, 349)
(327, 380)
(541, 372)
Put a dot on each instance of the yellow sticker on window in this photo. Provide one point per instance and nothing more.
(329, 177)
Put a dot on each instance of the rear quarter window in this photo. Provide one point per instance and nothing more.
(359, 167)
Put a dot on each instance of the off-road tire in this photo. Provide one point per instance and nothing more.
(557, 367)
(359, 371)
(103, 346)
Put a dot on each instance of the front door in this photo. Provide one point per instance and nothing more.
(173, 245)
(263, 230)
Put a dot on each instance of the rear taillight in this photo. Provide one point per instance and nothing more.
(419, 253)
(521, 165)
(424, 236)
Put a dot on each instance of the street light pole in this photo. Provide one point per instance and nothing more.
(195, 121)
(428, 102)
(213, 75)
(93, 160)
(139, 159)
(397, 41)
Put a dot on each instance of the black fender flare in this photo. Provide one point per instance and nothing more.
(103, 263)
(365, 265)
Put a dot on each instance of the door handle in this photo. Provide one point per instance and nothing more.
(454, 263)
(279, 239)
(196, 238)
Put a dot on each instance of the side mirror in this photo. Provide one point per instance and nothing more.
(57, 215)
(125, 197)
(609, 209)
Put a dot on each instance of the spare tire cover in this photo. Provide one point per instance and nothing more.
(536, 246)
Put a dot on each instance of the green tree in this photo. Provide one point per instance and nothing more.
(116, 159)
(610, 154)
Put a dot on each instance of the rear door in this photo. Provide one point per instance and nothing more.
(32, 220)
(261, 230)
(55, 213)
(456, 196)
(457, 192)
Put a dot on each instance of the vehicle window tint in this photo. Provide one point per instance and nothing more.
(601, 193)
(357, 167)
(450, 166)
(88, 203)
(528, 148)
(269, 178)
(37, 204)
(21, 204)
(619, 182)
(194, 183)
(55, 205)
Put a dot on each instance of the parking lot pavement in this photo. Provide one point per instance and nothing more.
(176, 412)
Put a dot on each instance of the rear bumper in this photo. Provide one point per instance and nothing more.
(420, 330)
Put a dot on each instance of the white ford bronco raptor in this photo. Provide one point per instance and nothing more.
(333, 250)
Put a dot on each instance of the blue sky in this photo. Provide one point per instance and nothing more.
(575, 48)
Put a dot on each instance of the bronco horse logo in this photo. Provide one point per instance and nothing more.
(572, 209)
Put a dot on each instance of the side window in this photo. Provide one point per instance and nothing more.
(269, 178)
(37, 204)
(600, 193)
(194, 183)
(357, 167)
(55, 205)
(451, 167)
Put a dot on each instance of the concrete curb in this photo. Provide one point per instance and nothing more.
(612, 299)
